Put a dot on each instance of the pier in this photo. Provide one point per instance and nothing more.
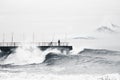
(34, 43)
(9, 47)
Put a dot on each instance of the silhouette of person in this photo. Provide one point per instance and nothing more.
(58, 42)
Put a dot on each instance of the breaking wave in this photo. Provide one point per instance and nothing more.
(86, 61)
(24, 55)
(30, 63)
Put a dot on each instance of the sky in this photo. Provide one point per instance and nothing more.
(49, 18)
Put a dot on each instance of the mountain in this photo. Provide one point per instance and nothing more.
(105, 29)
(115, 26)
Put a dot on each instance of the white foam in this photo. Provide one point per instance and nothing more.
(39, 76)
(26, 54)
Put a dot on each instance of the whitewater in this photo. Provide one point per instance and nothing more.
(30, 63)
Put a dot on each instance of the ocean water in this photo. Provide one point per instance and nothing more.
(29, 63)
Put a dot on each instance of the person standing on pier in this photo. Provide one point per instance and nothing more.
(58, 42)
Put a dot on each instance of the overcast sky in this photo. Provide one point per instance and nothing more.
(59, 17)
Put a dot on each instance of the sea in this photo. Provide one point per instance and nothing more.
(30, 63)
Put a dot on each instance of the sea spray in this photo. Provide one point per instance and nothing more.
(28, 54)
(25, 54)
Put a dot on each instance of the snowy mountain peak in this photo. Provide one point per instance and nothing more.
(115, 26)
(105, 29)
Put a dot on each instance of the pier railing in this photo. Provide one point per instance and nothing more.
(34, 43)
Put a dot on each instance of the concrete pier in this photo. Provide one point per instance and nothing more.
(9, 47)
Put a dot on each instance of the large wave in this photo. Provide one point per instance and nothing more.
(86, 61)
(24, 55)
